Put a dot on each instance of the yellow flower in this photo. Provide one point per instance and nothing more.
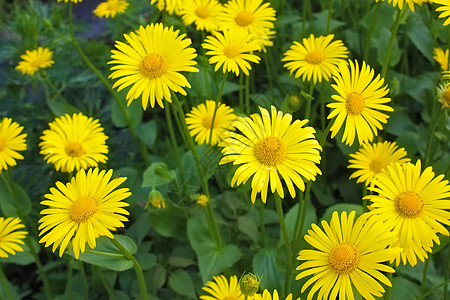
(74, 1)
(443, 95)
(315, 58)
(203, 13)
(152, 63)
(87, 207)
(267, 296)
(202, 200)
(347, 255)
(221, 289)
(12, 140)
(199, 121)
(414, 205)
(34, 60)
(170, 6)
(232, 49)
(10, 236)
(74, 142)
(271, 145)
(110, 8)
(441, 57)
(371, 159)
(445, 9)
(359, 103)
(399, 3)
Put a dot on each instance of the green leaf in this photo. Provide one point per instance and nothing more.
(291, 219)
(134, 113)
(147, 132)
(340, 207)
(158, 174)
(169, 221)
(264, 264)
(7, 201)
(180, 262)
(246, 225)
(410, 141)
(182, 283)
(59, 108)
(420, 35)
(107, 255)
(402, 288)
(382, 43)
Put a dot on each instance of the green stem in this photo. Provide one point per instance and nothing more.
(305, 198)
(262, 225)
(364, 194)
(387, 293)
(247, 94)
(309, 100)
(84, 280)
(368, 34)
(325, 133)
(137, 268)
(174, 143)
(424, 276)
(4, 284)
(447, 272)
(142, 147)
(423, 296)
(55, 90)
(330, 13)
(241, 92)
(388, 51)
(69, 278)
(287, 244)
(430, 137)
(105, 284)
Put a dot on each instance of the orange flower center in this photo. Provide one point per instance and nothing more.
(446, 97)
(315, 57)
(202, 12)
(154, 66)
(355, 103)
(82, 209)
(75, 149)
(343, 258)
(207, 121)
(244, 18)
(270, 150)
(2, 144)
(378, 164)
(409, 204)
(231, 51)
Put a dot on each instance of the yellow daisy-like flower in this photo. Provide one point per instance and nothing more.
(221, 289)
(371, 159)
(315, 58)
(267, 296)
(110, 8)
(10, 236)
(253, 16)
(74, 142)
(203, 13)
(170, 6)
(441, 57)
(400, 3)
(347, 254)
(268, 146)
(12, 140)
(232, 49)
(152, 63)
(74, 1)
(34, 60)
(443, 95)
(360, 100)
(80, 211)
(199, 121)
(444, 9)
(414, 204)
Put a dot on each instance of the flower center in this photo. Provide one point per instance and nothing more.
(244, 18)
(355, 103)
(154, 66)
(343, 258)
(82, 209)
(202, 12)
(378, 164)
(270, 150)
(446, 97)
(231, 51)
(2, 144)
(315, 57)
(75, 149)
(207, 121)
(409, 204)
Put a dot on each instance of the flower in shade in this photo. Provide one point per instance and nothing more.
(267, 296)
(443, 94)
(203, 13)
(315, 58)
(232, 49)
(74, 142)
(110, 8)
(199, 121)
(34, 60)
(371, 159)
(268, 146)
(170, 6)
(444, 8)
(348, 254)
(12, 140)
(359, 103)
(220, 289)
(11, 237)
(414, 205)
(441, 57)
(400, 3)
(152, 63)
(74, 1)
(80, 211)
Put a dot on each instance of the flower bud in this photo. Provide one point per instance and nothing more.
(202, 200)
(249, 284)
(156, 199)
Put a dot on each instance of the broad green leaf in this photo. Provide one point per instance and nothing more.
(420, 35)
(60, 108)
(340, 207)
(402, 288)
(292, 216)
(410, 141)
(134, 112)
(7, 203)
(182, 283)
(246, 225)
(180, 262)
(158, 174)
(169, 221)
(147, 132)
(382, 43)
(264, 264)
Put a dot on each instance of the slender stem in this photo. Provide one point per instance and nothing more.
(447, 272)
(330, 13)
(174, 143)
(430, 137)
(387, 56)
(423, 296)
(368, 33)
(105, 284)
(84, 280)
(141, 146)
(241, 92)
(364, 194)
(4, 284)
(247, 94)
(387, 293)
(69, 278)
(287, 243)
(325, 133)
(309, 100)
(424, 276)
(55, 90)
(262, 225)
(137, 269)
(298, 237)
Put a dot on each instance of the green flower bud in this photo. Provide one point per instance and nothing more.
(249, 284)
(155, 199)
